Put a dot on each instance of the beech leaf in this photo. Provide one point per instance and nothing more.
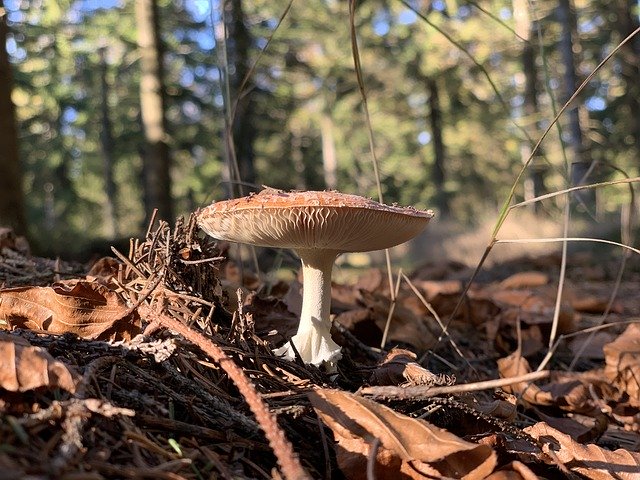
(622, 357)
(91, 310)
(408, 447)
(591, 461)
(25, 367)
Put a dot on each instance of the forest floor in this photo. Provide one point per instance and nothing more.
(157, 364)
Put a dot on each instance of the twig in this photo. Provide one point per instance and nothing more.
(282, 449)
(371, 460)
(425, 391)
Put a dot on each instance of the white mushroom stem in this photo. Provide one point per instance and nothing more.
(313, 339)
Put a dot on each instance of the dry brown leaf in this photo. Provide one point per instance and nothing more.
(594, 305)
(88, 309)
(570, 395)
(515, 365)
(24, 367)
(399, 367)
(373, 280)
(408, 448)
(591, 461)
(405, 327)
(105, 267)
(622, 357)
(525, 280)
(434, 288)
(594, 345)
(514, 471)
(498, 409)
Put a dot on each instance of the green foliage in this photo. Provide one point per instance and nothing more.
(305, 77)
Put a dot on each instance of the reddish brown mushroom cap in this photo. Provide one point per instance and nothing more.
(312, 220)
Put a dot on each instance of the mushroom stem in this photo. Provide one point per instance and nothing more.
(313, 339)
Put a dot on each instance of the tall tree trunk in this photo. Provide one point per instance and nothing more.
(11, 195)
(157, 162)
(297, 158)
(106, 142)
(580, 162)
(439, 153)
(243, 128)
(626, 21)
(526, 29)
(329, 158)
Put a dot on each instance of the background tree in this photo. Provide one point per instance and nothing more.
(451, 91)
(157, 163)
(11, 193)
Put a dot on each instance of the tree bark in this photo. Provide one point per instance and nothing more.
(107, 144)
(626, 22)
(243, 128)
(438, 172)
(526, 28)
(580, 162)
(156, 155)
(329, 157)
(11, 195)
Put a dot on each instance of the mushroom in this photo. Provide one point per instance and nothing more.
(318, 226)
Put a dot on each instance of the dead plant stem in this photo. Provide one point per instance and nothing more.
(424, 391)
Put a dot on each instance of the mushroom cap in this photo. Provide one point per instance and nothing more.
(312, 220)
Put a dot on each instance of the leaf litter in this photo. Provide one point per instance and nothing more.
(158, 363)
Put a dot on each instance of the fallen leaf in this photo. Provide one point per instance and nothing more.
(499, 409)
(88, 309)
(523, 280)
(273, 320)
(373, 280)
(105, 267)
(399, 367)
(590, 430)
(25, 367)
(594, 345)
(622, 363)
(516, 365)
(571, 395)
(405, 327)
(408, 448)
(591, 461)
(434, 288)
(594, 305)
(513, 471)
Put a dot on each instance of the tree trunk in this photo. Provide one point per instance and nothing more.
(580, 162)
(526, 28)
(11, 196)
(626, 22)
(329, 159)
(157, 163)
(438, 171)
(107, 144)
(243, 128)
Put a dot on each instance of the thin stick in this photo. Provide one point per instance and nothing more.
(568, 239)
(424, 391)
(433, 312)
(392, 309)
(365, 108)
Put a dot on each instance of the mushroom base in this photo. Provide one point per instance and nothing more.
(315, 347)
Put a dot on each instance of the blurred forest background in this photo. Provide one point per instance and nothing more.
(110, 108)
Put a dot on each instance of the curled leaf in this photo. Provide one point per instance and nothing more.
(622, 357)
(24, 367)
(89, 309)
(591, 461)
(405, 447)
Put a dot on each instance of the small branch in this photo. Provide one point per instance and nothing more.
(424, 391)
